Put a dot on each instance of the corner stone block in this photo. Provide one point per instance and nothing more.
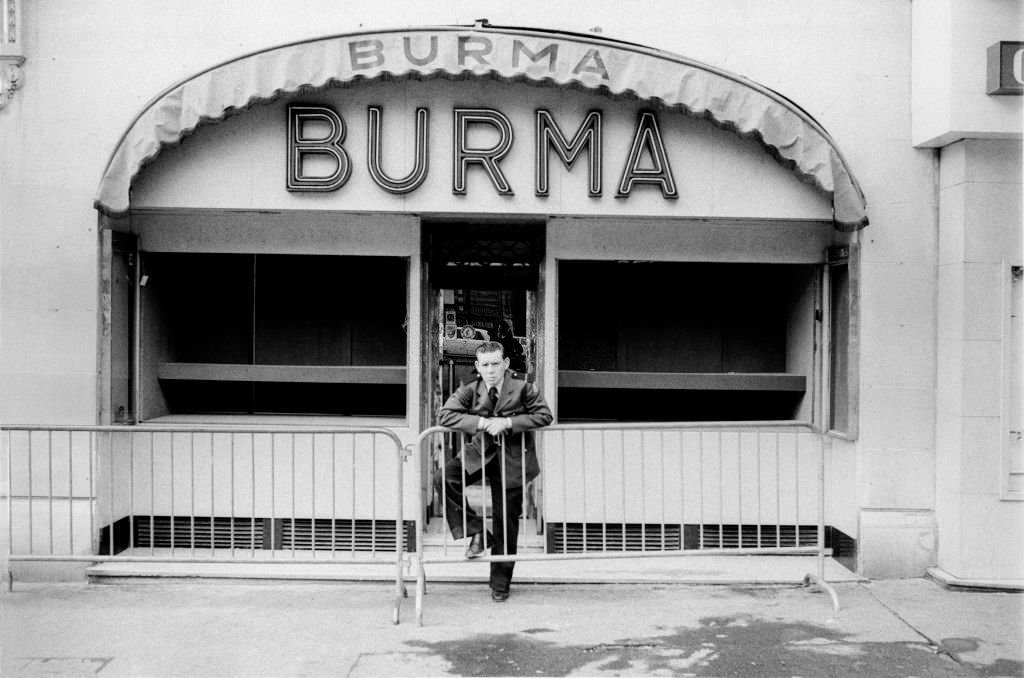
(896, 544)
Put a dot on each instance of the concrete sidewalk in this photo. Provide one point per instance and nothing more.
(886, 628)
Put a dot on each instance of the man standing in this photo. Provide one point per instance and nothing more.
(497, 410)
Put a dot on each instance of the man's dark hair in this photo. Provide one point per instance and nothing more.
(490, 347)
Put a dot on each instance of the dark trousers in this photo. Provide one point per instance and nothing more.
(506, 505)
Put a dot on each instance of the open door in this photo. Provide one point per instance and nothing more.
(482, 282)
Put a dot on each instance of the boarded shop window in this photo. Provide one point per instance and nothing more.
(273, 334)
(643, 341)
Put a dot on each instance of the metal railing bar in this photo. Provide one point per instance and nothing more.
(171, 452)
(252, 492)
(10, 493)
(604, 505)
(146, 428)
(228, 558)
(334, 493)
(312, 491)
(483, 499)
(373, 494)
(739, 490)
(400, 545)
(635, 555)
(565, 498)
(643, 493)
(352, 520)
(622, 481)
(824, 445)
(192, 493)
(503, 471)
(721, 499)
(131, 493)
(152, 493)
(757, 466)
(273, 495)
(49, 473)
(94, 544)
(55, 497)
(71, 491)
(661, 440)
(213, 499)
(584, 483)
(700, 477)
(110, 529)
(682, 491)
(231, 494)
(293, 492)
(778, 494)
(796, 489)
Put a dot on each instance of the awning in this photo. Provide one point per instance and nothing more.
(618, 69)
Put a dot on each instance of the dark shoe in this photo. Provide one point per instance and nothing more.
(476, 546)
(499, 596)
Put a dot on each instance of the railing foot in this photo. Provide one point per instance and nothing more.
(421, 589)
(823, 585)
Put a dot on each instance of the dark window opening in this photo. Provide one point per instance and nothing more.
(274, 334)
(646, 341)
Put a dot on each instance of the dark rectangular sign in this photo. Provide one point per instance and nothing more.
(1006, 68)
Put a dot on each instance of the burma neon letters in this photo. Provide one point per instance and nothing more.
(319, 131)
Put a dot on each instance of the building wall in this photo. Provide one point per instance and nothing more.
(980, 514)
(847, 62)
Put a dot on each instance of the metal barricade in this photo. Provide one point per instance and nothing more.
(206, 495)
(643, 491)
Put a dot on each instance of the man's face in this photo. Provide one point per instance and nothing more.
(491, 366)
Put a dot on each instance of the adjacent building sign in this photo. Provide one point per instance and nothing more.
(1006, 68)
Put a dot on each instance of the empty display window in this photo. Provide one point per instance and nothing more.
(273, 334)
(644, 341)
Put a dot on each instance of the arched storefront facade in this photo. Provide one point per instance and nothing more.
(320, 233)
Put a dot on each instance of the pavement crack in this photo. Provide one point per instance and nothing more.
(937, 647)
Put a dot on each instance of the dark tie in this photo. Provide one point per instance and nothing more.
(492, 393)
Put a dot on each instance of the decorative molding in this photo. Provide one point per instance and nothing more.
(11, 57)
(10, 77)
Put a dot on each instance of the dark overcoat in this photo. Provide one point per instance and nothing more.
(521, 402)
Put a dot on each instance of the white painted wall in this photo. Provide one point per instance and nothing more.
(981, 525)
(950, 44)
(91, 68)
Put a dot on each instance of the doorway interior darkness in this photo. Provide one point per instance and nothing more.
(483, 283)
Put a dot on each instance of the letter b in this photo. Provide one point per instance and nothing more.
(301, 146)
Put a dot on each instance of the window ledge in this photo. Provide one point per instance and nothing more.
(693, 381)
(272, 420)
(314, 374)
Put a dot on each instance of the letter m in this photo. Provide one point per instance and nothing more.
(550, 137)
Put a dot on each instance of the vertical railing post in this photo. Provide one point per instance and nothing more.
(400, 545)
(825, 449)
(6, 526)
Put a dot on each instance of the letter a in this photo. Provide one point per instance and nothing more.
(647, 136)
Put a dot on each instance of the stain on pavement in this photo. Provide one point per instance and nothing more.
(718, 646)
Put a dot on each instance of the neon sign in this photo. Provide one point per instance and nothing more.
(647, 162)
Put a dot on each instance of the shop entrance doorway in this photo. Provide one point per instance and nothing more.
(482, 282)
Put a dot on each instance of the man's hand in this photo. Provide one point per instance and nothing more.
(496, 425)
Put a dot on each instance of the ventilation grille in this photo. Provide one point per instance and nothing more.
(340, 535)
(569, 537)
(754, 536)
(260, 533)
(200, 532)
